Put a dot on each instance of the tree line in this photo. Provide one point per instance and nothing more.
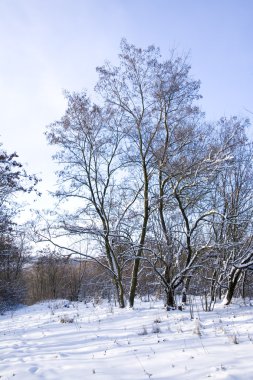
(156, 196)
(13, 243)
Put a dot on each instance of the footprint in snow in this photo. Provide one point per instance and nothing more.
(63, 355)
(33, 369)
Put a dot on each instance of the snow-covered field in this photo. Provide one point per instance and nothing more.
(71, 341)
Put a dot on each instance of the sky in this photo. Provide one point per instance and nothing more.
(47, 46)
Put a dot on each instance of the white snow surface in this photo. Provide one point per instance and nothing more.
(73, 340)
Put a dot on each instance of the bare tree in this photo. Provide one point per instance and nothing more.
(233, 199)
(90, 152)
(151, 97)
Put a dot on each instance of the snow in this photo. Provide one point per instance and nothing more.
(63, 340)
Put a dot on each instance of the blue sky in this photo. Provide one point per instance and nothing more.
(50, 45)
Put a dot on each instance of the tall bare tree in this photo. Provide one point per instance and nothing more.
(90, 143)
(151, 96)
(233, 198)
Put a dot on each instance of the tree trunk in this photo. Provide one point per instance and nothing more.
(184, 296)
(134, 278)
(234, 277)
(114, 265)
(170, 298)
(121, 298)
(213, 286)
(134, 282)
(244, 285)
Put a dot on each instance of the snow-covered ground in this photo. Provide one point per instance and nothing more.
(71, 341)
